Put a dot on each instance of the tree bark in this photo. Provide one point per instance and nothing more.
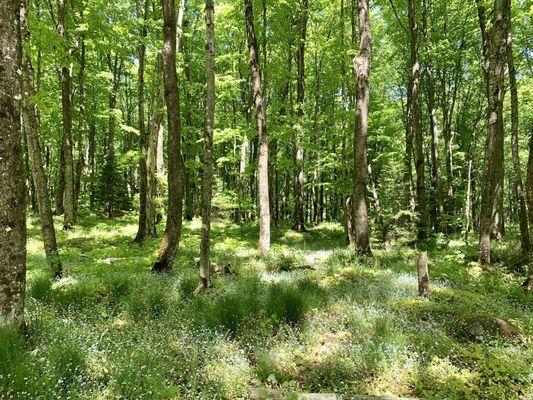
(519, 187)
(80, 163)
(528, 285)
(414, 125)
(360, 169)
(66, 103)
(494, 50)
(153, 190)
(299, 225)
(436, 172)
(423, 274)
(257, 93)
(207, 189)
(12, 195)
(32, 128)
(143, 136)
(172, 235)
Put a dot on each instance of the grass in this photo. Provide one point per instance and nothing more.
(109, 329)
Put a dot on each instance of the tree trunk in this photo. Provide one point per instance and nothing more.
(494, 50)
(155, 131)
(298, 155)
(522, 210)
(80, 163)
(66, 103)
(32, 128)
(91, 153)
(379, 211)
(414, 126)
(360, 169)
(436, 172)
(60, 189)
(264, 201)
(12, 195)
(528, 285)
(423, 274)
(143, 136)
(172, 235)
(207, 188)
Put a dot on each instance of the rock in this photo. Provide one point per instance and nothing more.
(488, 326)
(110, 261)
(270, 394)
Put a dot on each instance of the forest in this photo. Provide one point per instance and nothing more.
(266, 199)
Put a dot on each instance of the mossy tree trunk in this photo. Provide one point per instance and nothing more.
(32, 128)
(171, 237)
(207, 189)
(12, 195)
(360, 168)
(257, 94)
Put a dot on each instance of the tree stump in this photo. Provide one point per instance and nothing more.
(423, 274)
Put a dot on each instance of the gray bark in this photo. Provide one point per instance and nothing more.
(207, 189)
(257, 94)
(362, 73)
(171, 237)
(12, 195)
(32, 127)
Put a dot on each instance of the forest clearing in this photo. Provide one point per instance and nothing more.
(266, 199)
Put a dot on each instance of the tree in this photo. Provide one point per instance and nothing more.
(362, 73)
(494, 54)
(414, 124)
(205, 245)
(12, 195)
(522, 210)
(172, 235)
(32, 127)
(257, 94)
(66, 102)
(299, 224)
(142, 231)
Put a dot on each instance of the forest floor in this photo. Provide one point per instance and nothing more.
(312, 317)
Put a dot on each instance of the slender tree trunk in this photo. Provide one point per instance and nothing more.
(528, 285)
(436, 172)
(80, 163)
(32, 128)
(299, 225)
(155, 130)
(143, 136)
(207, 189)
(12, 195)
(60, 190)
(522, 210)
(91, 153)
(264, 201)
(414, 124)
(360, 168)
(172, 235)
(494, 50)
(379, 211)
(66, 102)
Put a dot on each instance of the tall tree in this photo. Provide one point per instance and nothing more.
(257, 93)
(494, 52)
(32, 128)
(207, 189)
(298, 155)
(437, 195)
(522, 210)
(360, 166)
(143, 136)
(12, 195)
(414, 123)
(172, 235)
(66, 103)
